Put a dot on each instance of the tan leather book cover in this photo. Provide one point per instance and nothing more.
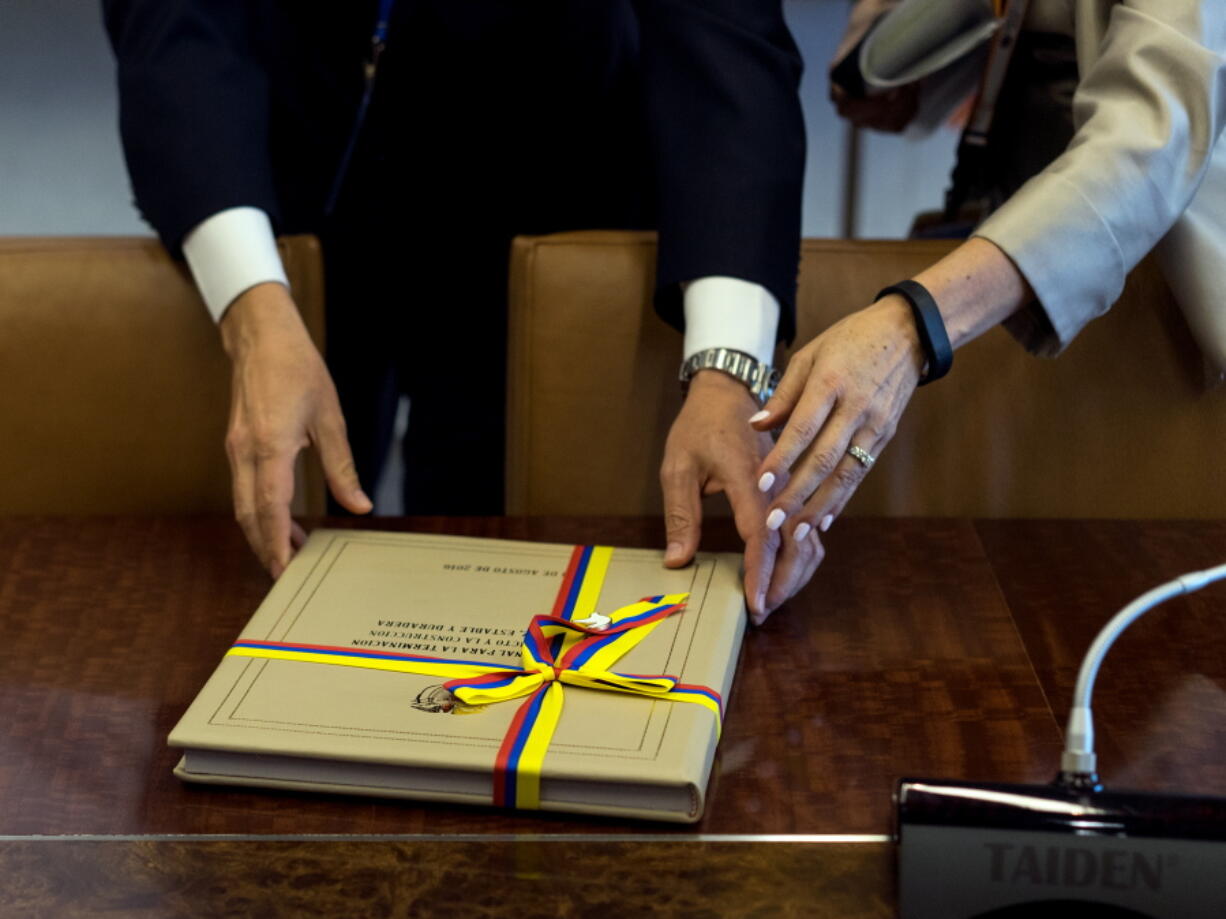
(303, 724)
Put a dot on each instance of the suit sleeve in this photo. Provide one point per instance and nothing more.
(1148, 114)
(721, 79)
(193, 101)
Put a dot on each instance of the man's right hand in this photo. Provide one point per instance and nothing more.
(282, 399)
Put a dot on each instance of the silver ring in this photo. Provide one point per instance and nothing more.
(866, 459)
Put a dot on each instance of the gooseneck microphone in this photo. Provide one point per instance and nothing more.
(1078, 768)
(993, 850)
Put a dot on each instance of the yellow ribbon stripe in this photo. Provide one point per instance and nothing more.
(348, 657)
(593, 580)
(532, 759)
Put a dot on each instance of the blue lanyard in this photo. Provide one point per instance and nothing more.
(378, 41)
(378, 38)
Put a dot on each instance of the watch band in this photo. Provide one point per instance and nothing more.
(760, 379)
(932, 335)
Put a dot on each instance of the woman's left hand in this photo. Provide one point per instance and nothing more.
(845, 389)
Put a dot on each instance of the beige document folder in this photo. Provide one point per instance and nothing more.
(304, 725)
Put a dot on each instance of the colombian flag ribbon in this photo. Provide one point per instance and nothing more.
(573, 646)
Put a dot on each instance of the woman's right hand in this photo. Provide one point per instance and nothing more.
(842, 393)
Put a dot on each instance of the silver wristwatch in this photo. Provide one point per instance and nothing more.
(761, 379)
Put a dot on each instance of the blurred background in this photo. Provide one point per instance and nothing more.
(61, 169)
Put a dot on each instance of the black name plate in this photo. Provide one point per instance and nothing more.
(992, 850)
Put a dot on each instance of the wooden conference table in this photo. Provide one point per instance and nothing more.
(922, 648)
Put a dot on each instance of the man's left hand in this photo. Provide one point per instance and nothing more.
(712, 448)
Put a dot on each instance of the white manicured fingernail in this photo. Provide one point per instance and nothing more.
(801, 532)
(761, 416)
(767, 480)
(775, 519)
(826, 521)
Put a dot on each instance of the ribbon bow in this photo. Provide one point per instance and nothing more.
(555, 651)
(558, 651)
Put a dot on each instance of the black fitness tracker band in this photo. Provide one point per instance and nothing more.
(932, 335)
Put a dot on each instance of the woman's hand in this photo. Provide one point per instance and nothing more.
(846, 388)
(849, 386)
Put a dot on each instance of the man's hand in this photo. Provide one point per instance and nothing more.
(712, 448)
(282, 400)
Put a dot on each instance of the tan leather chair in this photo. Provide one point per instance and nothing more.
(115, 388)
(1120, 425)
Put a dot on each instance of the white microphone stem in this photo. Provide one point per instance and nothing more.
(1079, 736)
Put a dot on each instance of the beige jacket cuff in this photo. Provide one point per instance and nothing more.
(1074, 263)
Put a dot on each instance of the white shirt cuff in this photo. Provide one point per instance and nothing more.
(231, 252)
(722, 312)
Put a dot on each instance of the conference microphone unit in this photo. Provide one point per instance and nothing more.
(982, 850)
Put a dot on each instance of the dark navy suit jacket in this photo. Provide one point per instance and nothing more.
(527, 116)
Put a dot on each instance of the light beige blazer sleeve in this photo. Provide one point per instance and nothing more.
(1149, 111)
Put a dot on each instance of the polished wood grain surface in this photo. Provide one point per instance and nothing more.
(901, 658)
(922, 648)
(144, 879)
(1160, 697)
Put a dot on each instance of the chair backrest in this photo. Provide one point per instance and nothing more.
(115, 388)
(1121, 425)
